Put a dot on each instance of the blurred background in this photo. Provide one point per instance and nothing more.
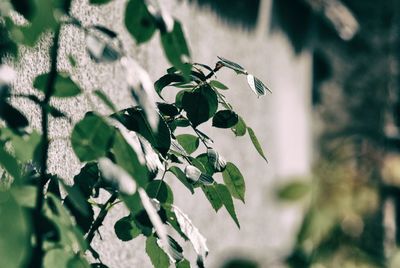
(330, 194)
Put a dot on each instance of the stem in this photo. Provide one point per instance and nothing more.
(162, 179)
(216, 69)
(37, 256)
(100, 218)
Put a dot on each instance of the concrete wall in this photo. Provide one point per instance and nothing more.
(281, 121)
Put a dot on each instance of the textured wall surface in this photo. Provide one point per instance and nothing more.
(280, 120)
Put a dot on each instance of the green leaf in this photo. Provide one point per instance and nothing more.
(25, 195)
(57, 258)
(23, 145)
(226, 199)
(167, 109)
(13, 118)
(87, 178)
(183, 264)
(176, 49)
(91, 137)
(293, 191)
(24, 7)
(9, 163)
(240, 128)
(103, 97)
(76, 197)
(126, 229)
(256, 143)
(160, 190)
(182, 177)
(232, 65)
(138, 21)
(78, 262)
(189, 142)
(64, 86)
(234, 181)
(99, 2)
(225, 119)
(158, 257)
(134, 119)
(166, 80)
(217, 84)
(14, 238)
(127, 158)
(206, 166)
(200, 105)
(211, 193)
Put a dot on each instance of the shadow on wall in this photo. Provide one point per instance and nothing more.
(234, 12)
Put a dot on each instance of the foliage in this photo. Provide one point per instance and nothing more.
(48, 223)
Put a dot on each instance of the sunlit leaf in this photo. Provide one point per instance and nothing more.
(211, 193)
(198, 241)
(57, 258)
(9, 163)
(101, 51)
(216, 160)
(257, 86)
(234, 181)
(64, 86)
(78, 262)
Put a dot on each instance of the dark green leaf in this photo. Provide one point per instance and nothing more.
(139, 22)
(102, 96)
(200, 105)
(167, 109)
(91, 137)
(64, 86)
(166, 80)
(158, 257)
(98, 265)
(72, 60)
(15, 238)
(24, 145)
(240, 128)
(226, 199)
(189, 142)
(225, 119)
(87, 178)
(77, 199)
(126, 229)
(176, 49)
(206, 165)
(110, 33)
(232, 65)
(182, 177)
(234, 181)
(256, 143)
(24, 7)
(217, 84)
(83, 220)
(134, 119)
(14, 118)
(160, 190)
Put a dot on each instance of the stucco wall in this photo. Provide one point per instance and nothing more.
(281, 121)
